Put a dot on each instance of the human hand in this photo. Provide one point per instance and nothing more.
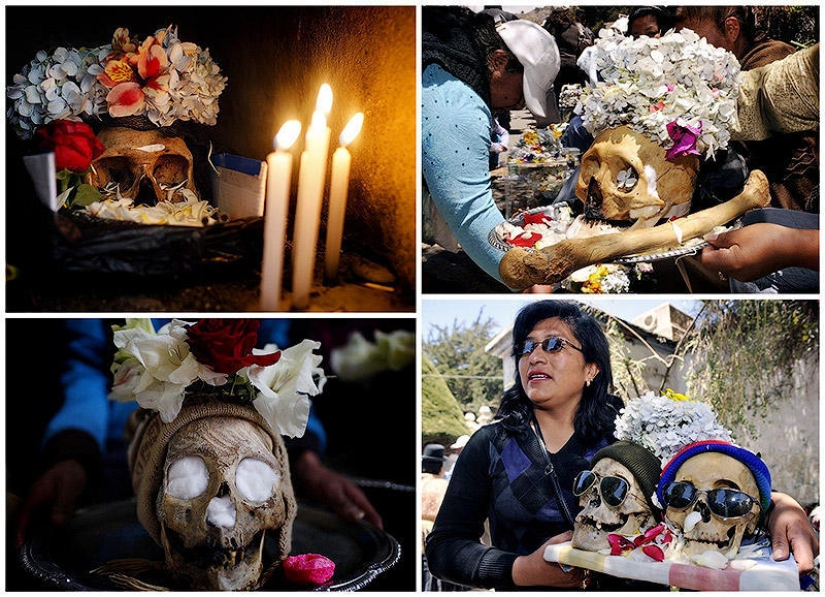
(333, 489)
(792, 532)
(533, 570)
(757, 250)
(58, 488)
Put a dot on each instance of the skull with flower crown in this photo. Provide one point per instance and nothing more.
(208, 462)
(660, 105)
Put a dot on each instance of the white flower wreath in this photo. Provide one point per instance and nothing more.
(678, 90)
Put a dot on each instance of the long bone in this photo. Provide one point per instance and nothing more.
(520, 269)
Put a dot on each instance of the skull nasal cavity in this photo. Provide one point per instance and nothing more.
(703, 509)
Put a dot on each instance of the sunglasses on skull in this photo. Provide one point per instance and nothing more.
(613, 490)
(724, 502)
(552, 344)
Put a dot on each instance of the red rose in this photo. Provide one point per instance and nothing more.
(225, 345)
(74, 144)
(308, 569)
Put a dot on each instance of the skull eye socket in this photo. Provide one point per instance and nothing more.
(187, 478)
(170, 170)
(627, 179)
(256, 480)
(115, 170)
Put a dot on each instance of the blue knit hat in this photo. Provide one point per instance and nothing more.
(758, 468)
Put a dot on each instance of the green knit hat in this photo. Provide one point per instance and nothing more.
(643, 463)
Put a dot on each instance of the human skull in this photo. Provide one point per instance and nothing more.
(145, 166)
(626, 180)
(701, 529)
(598, 519)
(224, 486)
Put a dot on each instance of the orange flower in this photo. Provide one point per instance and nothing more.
(129, 76)
(115, 72)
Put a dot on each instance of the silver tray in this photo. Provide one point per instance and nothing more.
(63, 559)
(673, 253)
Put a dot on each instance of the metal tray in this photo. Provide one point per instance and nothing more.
(63, 560)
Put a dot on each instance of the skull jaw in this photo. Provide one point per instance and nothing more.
(697, 543)
(213, 568)
(591, 535)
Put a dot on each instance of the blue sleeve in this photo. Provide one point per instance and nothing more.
(456, 130)
(85, 382)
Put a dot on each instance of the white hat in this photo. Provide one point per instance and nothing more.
(460, 442)
(537, 51)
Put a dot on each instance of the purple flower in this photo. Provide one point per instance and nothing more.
(684, 140)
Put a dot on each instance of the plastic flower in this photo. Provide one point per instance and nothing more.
(285, 387)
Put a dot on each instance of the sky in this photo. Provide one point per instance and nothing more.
(502, 309)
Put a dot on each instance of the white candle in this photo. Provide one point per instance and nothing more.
(338, 190)
(311, 178)
(278, 179)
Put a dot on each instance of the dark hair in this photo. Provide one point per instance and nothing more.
(487, 40)
(663, 17)
(718, 14)
(598, 409)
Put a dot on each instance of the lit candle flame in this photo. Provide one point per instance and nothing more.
(287, 134)
(324, 101)
(352, 129)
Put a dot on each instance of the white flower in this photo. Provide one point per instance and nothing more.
(154, 368)
(625, 179)
(285, 387)
(647, 83)
(64, 85)
(361, 359)
(664, 426)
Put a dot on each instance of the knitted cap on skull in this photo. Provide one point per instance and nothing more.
(640, 461)
(147, 455)
(755, 464)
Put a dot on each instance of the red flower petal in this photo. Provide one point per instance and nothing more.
(152, 63)
(538, 218)
(618, 544)
(654, 552)
(125, 99)
(528, 239)
(308, 569)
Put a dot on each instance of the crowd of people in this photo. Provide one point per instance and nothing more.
(478, 66)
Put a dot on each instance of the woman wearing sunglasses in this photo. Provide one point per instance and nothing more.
(518, 473)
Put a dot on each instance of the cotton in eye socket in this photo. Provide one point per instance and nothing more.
(187, 478)
(255, 480)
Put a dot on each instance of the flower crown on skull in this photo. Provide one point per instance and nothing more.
(162, 78)
(678, 90)
(667, 423)
(215, 357)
